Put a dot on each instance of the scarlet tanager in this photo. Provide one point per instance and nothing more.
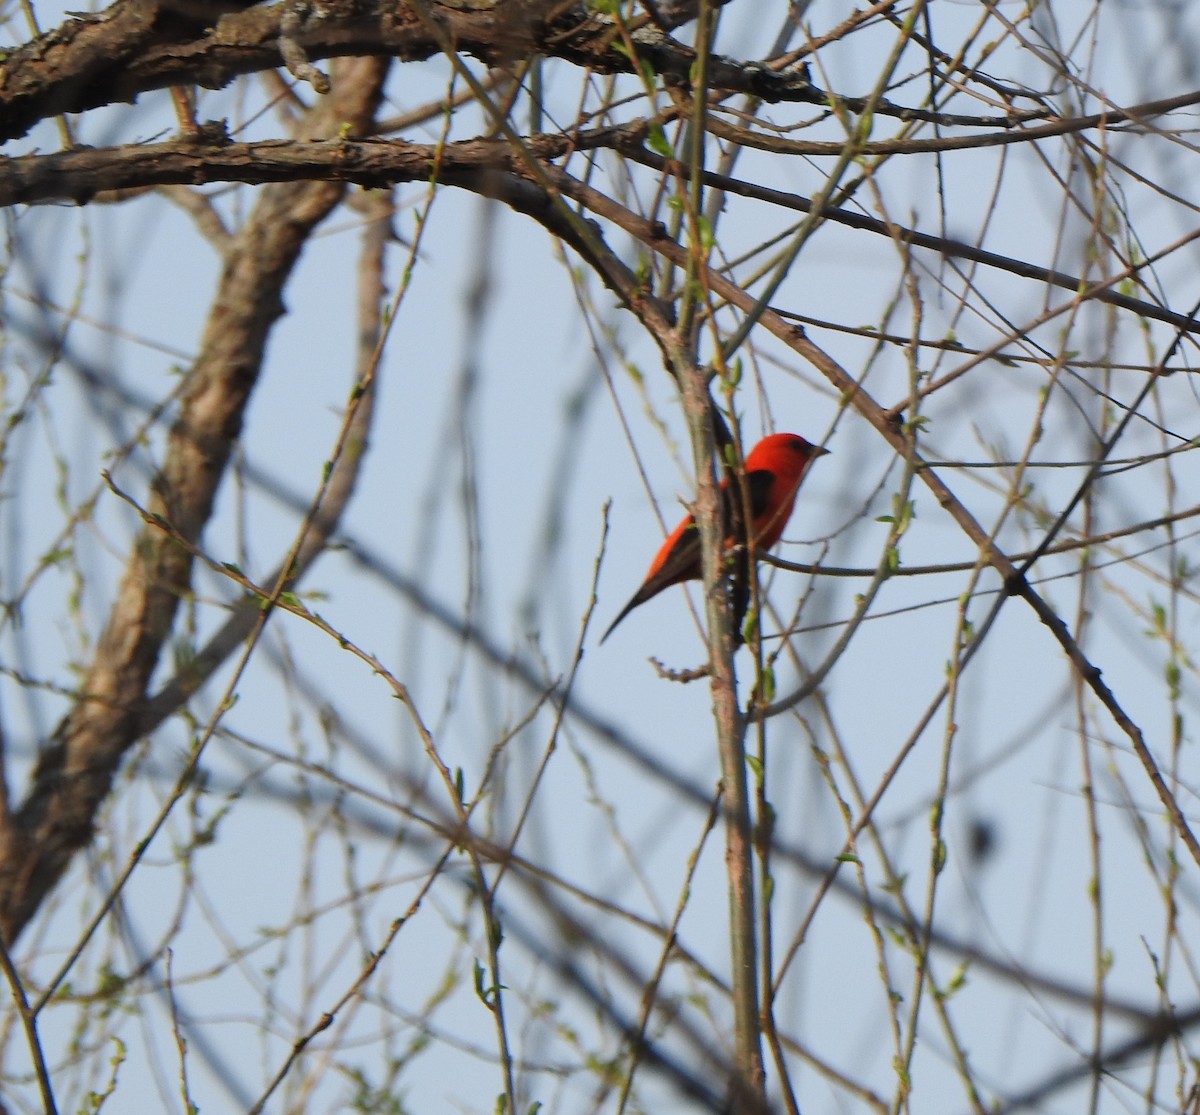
(774, 470)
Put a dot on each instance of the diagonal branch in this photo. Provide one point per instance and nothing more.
(74, 772)
(891, 429)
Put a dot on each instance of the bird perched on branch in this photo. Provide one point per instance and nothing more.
(774, 469)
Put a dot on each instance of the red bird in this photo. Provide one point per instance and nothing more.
(774, 469)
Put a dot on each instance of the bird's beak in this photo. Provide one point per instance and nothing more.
(820, 451)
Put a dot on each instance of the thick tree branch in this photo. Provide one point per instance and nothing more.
(140, 45)
(131, 49)
(79, 175)
(72, 66)
(74, 773)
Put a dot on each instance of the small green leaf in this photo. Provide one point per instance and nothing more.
(957, 980)
(657, 141)
(897, 885)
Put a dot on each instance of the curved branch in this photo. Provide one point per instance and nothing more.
(80, 174)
